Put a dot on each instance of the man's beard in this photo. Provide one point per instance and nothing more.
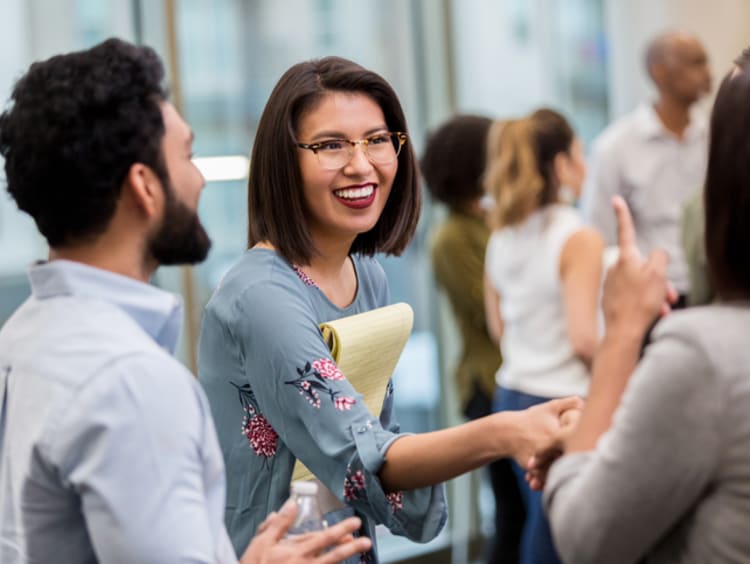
(181, 238)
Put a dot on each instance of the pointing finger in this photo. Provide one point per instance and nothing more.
(625, 229)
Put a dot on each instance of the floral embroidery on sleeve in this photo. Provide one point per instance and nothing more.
(261, 436)
(354, 488)
(354, 485)
(395, 500)
(327, 369)
(312, 381)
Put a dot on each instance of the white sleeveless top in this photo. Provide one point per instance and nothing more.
(523, 264)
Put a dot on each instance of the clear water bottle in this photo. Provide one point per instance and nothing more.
(309, 517)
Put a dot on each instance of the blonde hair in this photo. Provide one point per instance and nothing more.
(520, 164)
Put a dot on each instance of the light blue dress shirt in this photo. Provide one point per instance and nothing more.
(277, 396)
(108, 452)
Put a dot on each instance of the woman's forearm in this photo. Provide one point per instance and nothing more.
(416, 461)
(612, 367)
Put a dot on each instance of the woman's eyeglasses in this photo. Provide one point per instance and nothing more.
(381, 148)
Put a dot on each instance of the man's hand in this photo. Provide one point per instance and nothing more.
(269, 547)
(539, 427)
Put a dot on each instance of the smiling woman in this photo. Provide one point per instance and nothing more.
(313, 230)
(346, 200)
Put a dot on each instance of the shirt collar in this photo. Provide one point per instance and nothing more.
(159, 313)
(651, 127)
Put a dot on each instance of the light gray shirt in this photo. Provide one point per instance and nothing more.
(670, 480)
(108, 452)
(656, 173)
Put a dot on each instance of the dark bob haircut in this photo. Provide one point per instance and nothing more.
(727, 189)
(453, 161)
(276, 208)
(76, 125)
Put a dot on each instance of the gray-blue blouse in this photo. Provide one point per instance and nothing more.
(276, 395)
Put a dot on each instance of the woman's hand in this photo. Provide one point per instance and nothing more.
(539, 427)
(269, 547)
(636, 292)
(538, 465)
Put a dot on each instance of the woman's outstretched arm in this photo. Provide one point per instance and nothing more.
(416, 461)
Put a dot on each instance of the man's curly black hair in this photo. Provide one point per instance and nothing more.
(76, 125)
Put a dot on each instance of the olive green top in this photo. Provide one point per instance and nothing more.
(458, 247)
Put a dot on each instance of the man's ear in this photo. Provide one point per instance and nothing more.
(145, 188)
(658, 72)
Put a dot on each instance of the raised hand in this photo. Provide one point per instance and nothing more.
(269, 547)
(636, 291)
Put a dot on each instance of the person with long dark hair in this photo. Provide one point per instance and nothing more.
(658, 469)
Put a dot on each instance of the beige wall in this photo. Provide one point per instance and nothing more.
(723, 26)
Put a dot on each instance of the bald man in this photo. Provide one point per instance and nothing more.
(655, 157)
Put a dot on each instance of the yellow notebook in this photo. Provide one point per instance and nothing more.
(366, 347)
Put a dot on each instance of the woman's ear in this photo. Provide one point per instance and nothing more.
(144, 188)
(561, 168)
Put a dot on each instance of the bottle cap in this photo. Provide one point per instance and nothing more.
(307, 487)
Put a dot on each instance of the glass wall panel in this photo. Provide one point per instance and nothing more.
(512, 57)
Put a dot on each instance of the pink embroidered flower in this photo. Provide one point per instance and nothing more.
(344, 403)
(261, 435)
(313, 398)
(328, 369)
(353, 485)
(396, 501)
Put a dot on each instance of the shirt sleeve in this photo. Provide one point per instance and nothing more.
(132, 448)
(602, 182)
(615, 503)
(320, 417)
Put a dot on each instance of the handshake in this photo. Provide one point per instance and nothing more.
(541, 433)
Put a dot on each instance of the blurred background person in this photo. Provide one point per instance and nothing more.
(452, 165)
(658, 469)
(542, 279)
(655, 156)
